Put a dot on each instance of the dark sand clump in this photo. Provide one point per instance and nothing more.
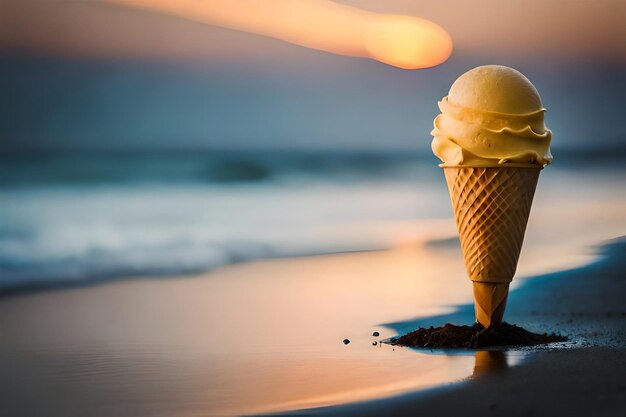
(473, 337)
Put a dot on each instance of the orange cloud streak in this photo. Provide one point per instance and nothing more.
(402, 41)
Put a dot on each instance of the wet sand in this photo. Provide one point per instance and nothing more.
(267, 337)
(249, 338)
(579, 378)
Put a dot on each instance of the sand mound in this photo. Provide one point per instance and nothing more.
(473, 337)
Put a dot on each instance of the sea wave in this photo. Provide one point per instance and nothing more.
(77, 219)
(208, 167)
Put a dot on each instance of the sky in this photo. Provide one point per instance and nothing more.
(89, 74)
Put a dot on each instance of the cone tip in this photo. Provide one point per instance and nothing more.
(490, 302)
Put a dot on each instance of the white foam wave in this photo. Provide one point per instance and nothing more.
(51, 235)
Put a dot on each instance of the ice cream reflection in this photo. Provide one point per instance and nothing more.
(492, 361)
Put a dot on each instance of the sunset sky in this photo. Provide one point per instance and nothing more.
(94, 74)
(545, 29)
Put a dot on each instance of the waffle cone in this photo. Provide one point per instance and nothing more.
(490, 302)
(491, 208)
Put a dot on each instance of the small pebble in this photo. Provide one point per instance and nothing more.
(346, 341)
(375, 334)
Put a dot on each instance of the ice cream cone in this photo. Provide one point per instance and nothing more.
(491, 208)
(492, 140)
(490, 302)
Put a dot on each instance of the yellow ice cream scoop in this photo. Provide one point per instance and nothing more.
(493, 142)
(493, 116)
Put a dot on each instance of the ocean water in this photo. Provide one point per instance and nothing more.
(76, 217)
(79, 217)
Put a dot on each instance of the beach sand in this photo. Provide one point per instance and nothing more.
(580, 378)
(266, 337)
(248, 338)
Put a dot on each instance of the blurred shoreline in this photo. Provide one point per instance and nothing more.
(73, 218)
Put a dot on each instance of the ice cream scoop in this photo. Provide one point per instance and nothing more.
(493, 142)
(493, 116)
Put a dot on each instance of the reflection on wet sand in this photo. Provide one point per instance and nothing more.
(489, 361)
(251, 338)
(495, 361)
